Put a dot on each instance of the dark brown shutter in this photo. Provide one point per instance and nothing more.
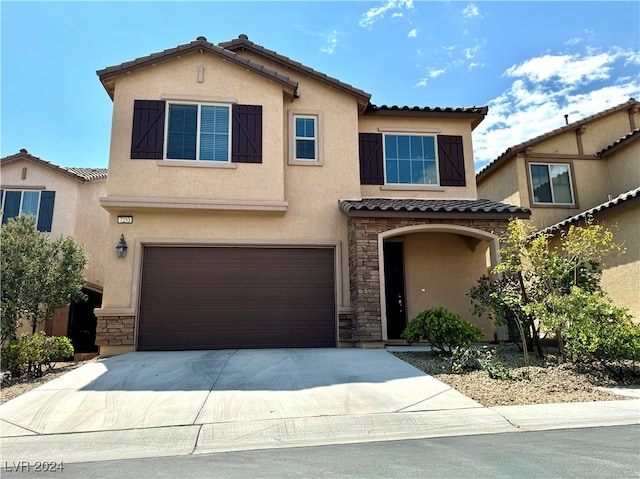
(371, 160)
(451, 160)
(147, 136)
(246, 134)
(45, 214)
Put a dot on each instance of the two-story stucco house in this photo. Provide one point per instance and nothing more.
(64, 202)
(587, 168)
(266, 204)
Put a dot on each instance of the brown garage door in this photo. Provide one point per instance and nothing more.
(219, 298)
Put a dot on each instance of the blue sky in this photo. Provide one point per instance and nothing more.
(530, 62)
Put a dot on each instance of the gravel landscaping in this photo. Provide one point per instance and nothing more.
(550, 381)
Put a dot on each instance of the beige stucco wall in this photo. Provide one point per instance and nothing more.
(223, 81)
(621, 273)
(623, 167)
(434, 279)
(502, 185)
(91, 230)
(427, 126)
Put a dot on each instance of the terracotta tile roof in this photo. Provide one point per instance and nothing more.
(243, 43)
(448, 207)
(512, 151)
(82, 174)
(618, 200)
(200, 44)
(628, 138)
(475, 112)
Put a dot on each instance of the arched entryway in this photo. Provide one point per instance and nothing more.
(424, 266)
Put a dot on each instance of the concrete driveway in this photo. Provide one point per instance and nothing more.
(160, 403)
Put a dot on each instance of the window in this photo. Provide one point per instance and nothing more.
(35, 203)
(551, 183)
(410, 159)
(198, 132)
(305, 129)
(306, 141)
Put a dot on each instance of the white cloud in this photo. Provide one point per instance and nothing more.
(376, 13)
(573, 41)
(546, 88)
(471, 11)
(413, 33)
(471, 52)
(437, 73)
(331, 42)
(421, 82)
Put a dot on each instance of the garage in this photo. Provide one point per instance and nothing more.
(236, 297)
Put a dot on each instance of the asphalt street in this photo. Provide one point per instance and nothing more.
(603, 452)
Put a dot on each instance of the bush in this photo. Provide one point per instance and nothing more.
(443, 329)
(592, 327)
(31, 352)
(469, 359)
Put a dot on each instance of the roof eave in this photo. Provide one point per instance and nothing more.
(108, 75)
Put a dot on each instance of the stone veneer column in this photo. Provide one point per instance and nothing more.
(115, 331)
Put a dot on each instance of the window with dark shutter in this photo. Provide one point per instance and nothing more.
(371, 159)
(246, 134)
(147, 136)
(11, 206)
(451, 161)
(45, 214)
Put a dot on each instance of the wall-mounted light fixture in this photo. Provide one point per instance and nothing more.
(121, 247)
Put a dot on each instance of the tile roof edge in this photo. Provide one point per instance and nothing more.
(200, 43)
(25, 155)
(621, 198)
(606, 151)
(244, 42)
(512, 150)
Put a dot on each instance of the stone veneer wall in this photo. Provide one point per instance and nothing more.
(115, 331)
(363, 265)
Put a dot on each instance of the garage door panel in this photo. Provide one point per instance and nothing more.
(216, 298)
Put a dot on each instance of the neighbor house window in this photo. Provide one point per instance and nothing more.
(305, 130)
(551, 183)
(38, 204)
(410, 159)
(198, 132)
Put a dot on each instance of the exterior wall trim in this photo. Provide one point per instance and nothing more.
(491, 238)
(115, 202)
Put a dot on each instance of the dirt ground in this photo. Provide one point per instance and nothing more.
(550, 381)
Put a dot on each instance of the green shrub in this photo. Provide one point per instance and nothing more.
(443, 329)
(592, 327)
(31, 352)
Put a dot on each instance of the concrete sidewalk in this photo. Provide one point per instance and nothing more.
(164, 404)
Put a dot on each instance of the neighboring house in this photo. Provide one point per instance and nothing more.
(588, 168)
(65, 202)
(265, 204)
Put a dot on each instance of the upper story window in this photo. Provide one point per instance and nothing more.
(38, 204)
(306, 139)
(407, 161)
(551, 183)
(410, 159)
(198, 132)
(182, 130)
(305, 132)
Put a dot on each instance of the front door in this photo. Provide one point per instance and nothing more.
(394, 289)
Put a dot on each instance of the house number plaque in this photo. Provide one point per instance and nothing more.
(125, 220)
